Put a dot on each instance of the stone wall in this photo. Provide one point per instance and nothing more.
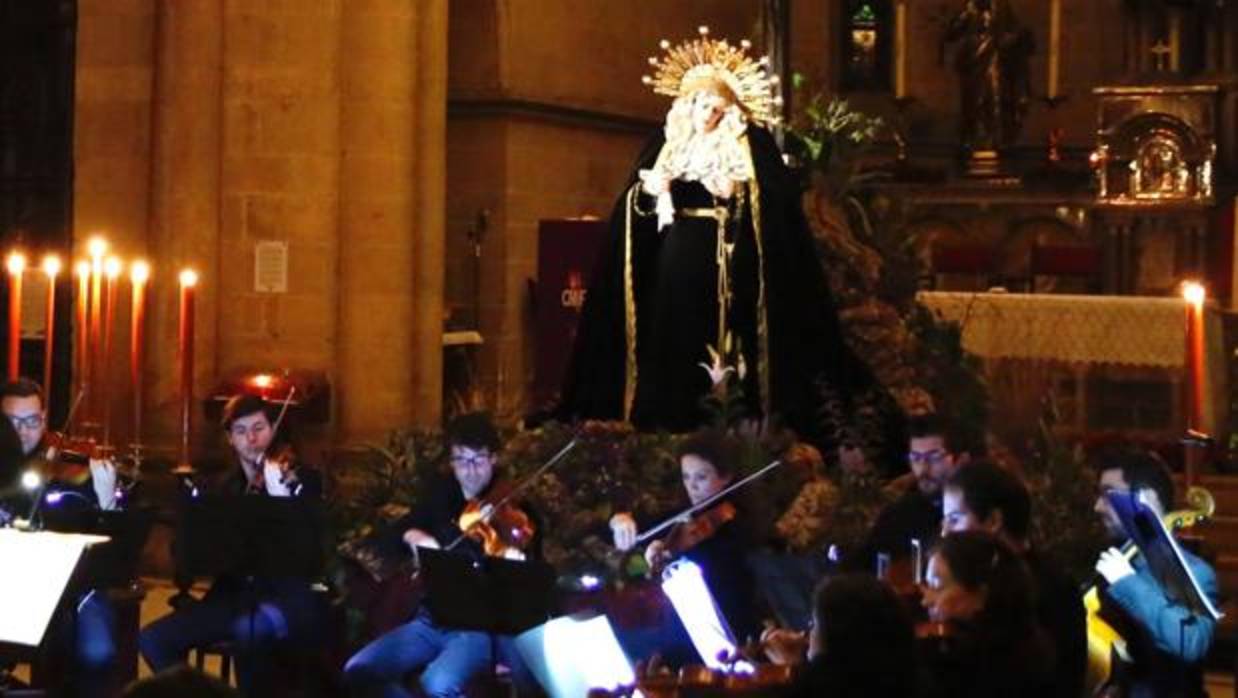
(206, 126)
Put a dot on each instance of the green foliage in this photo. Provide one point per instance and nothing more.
(828, 137)
(1063, 488)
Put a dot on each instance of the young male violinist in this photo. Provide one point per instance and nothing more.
(87, 623)
(707, 462)
(22, 403)
(448, 658)
(1167, 641)
(255, 614)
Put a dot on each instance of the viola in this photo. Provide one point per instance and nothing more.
(494, 521)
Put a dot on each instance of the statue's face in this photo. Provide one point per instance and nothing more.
(708, 109)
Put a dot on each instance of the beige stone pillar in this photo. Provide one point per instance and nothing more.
(381, 135)
(429, 196)
(185, 191)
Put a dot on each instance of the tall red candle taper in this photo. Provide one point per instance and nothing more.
(188, 279)
(16, 264)
(97, 247)
(81, 332)
(138, 274)
(51, 267)
(1194, 295)
(112, 269)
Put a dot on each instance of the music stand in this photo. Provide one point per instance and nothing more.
(491, 594)
(30, 593)
(250, 536)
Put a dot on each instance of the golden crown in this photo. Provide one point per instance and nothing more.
(705, 63)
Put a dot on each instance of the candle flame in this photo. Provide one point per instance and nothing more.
(112, 267)
(97, 247)
(82, 268)
(139, 272)
(1193, 292)
(263, 380)
(189, 278)
(51, 265)
(15, 263)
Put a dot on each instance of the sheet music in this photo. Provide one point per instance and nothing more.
(684, 585)
(1162, 553)
(37, 568)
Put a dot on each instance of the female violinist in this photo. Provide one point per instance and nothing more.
(979, 594)
(716, 538)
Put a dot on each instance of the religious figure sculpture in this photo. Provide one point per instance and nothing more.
(709, 264)
(992, 64)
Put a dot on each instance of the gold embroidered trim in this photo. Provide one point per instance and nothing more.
(754, 198)
(629, 307)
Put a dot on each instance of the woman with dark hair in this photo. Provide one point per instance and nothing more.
(983, 595)
(862, 643)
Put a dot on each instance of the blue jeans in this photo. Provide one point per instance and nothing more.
(447, 658)
(255, 624)
(94, 644)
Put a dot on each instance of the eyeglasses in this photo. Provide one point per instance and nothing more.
(29, 422)
(933, 457)
(471, 459)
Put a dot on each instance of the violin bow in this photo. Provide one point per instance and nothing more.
(706, 503)
(279, 419)
(520, 486)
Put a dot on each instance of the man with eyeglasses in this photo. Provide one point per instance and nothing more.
(255, 614)
(935, 450)
(448, 658)
(88, 625)
(21, 401)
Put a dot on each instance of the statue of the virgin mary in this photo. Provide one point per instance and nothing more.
(710, 266)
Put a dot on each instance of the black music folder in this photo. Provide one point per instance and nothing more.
(250, 536)
(487, 593)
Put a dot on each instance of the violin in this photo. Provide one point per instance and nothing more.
(502, 529)
(685, 535)
(68, 458)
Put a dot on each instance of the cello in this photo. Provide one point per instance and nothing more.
(1104, 641)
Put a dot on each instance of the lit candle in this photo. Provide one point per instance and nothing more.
(1055, 46)
(139, 273)
(1193, 293)
(96, 247)
(16, 264)
(82, 331)
(111, 268)
(900, 49)
(51, 267)
(188, 279)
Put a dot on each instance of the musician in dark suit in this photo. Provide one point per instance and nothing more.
(86, 622)
(255, 614)
(448, 658)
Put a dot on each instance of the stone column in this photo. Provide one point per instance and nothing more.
(430, 199)
(185, 194)
(383, 235)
